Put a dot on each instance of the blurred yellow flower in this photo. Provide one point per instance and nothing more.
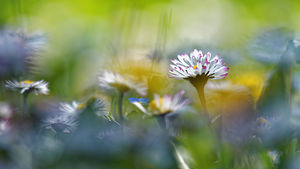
(254, 81)
(111, 81)
(164, 105)
(227, 98)
(144, 69)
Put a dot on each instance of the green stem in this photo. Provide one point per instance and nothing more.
(120, 105)
(24, 106)
(200, 90)
(199, 82)
(221, 128)
(162, 121)
(112, 106)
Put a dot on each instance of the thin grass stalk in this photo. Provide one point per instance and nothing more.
(24, 104)
(120, 106)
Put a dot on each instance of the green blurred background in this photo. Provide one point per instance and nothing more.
(87, 36)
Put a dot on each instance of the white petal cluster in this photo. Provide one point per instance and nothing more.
(61, 123)
(26, 86)
(198, 64)
(164, 105)
(72, 108)
(66, 119)
(111, 80)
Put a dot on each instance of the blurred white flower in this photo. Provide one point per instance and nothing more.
(164, 105)
(274, 155)
(111, 80)
(99, 107)
(195, 64)
(5, 110)
(71, 109)
(5, 113)
(27, 86)
(4, 126)
(17, 49)
(296, 43)
(61, 123)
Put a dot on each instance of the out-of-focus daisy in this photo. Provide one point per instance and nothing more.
(163, 105)
(61, 123)
(98, 106)
(198, 69)
(16, 49)
(25, 87)
(197, 65)
(111, 80)
(5, 110)
(71, 109)
(4, 126)
(149, 71)
(5, 114)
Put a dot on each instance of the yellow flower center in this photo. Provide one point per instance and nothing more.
(194, 67)
(27, 82)
(80, 106)
(153, 104)
(261, 121)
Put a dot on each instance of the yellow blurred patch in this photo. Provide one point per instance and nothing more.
(81, 106)
(252, 80)
(145, 71)
(229, 99)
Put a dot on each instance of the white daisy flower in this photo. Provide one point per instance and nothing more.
(61, 123)
(198, 69)
(72, 108)
(198, 65)
(27, 86)
(111, 80)
(164, 105)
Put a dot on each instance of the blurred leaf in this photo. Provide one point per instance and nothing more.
(267, 46)
(276, 95)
